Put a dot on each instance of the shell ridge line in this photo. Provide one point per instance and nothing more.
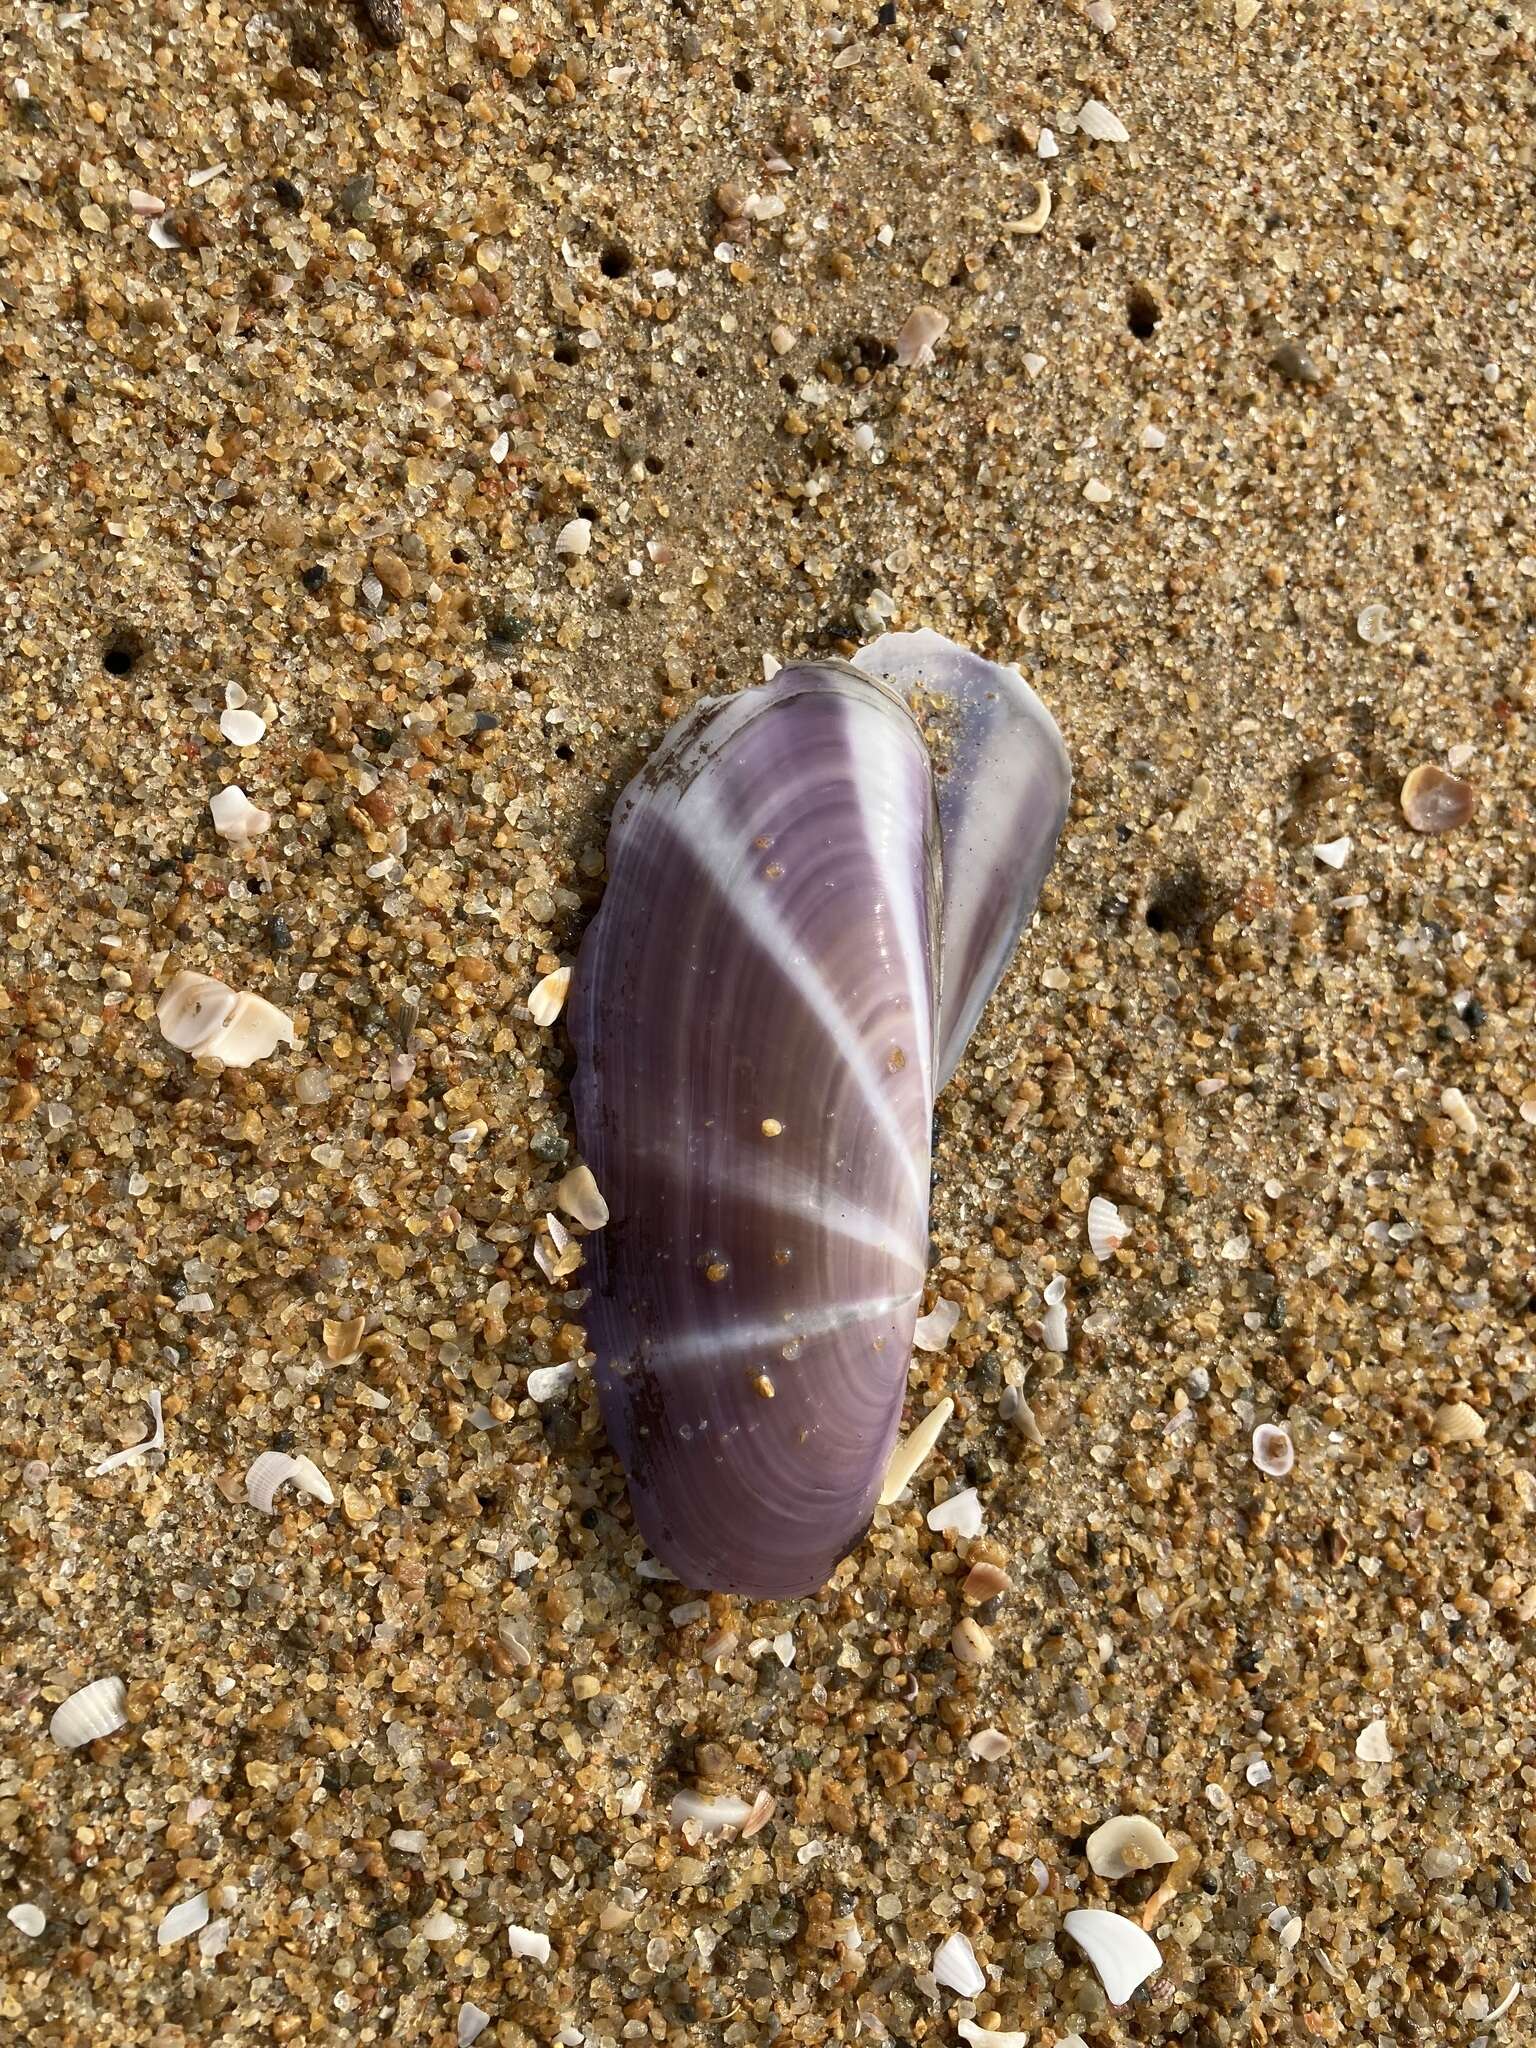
(799, 1200)
(707, 839)
(798, 1328)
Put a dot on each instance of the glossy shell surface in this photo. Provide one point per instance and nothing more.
(801, 924)
(753, 1011)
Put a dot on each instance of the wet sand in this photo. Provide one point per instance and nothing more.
(1232, 456)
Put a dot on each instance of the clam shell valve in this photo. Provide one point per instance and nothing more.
(811, 896)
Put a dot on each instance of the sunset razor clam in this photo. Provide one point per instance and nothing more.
(804, 917)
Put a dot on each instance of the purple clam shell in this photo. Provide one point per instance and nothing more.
(785, 969)
(765, 955)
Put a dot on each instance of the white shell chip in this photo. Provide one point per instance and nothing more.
(242, 728)
(200, 1016)
(955, 1966)
(185, 1918)
(1126, 1843)
(235, 817)
(1122, 1954)
(1107, 1228)
(1096, 120)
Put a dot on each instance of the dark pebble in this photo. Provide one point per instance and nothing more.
(1295, 365)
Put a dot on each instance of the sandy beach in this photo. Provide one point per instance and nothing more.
(407, 413)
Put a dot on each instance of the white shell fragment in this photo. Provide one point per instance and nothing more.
(989, 1745)
(1126, 1843)
(96, 1710)
(200, 1016)
(155, 1441)
(1373, 624)
(1373, 1745)
(581, 1199)
(1096, 120)
(934, 1330)
(1458, 1422)
(439, 1926)
(1034, 221)
(923, 327)
(1273, 1451)
(545, 1381)
(27, 1919)
(527, 1941)
(546, 999)
(184, 1918)
(235, 817)
(1334, 852)
(912, 1450)
(574, 538)
(473, 2021)
(710, 1816)
(1461, 1113)
(1054, 1332)
(242, 728)
(978, 2037)
(274, 1469)
(1107, 1228)
(955, 1966)
(1121, 1953)
(960, 1515)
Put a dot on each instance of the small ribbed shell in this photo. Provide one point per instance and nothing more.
(97, 1709)
(200, 1016)
(273, 1469)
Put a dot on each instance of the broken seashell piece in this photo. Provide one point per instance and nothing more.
(956, 1968)
(235, 817)
(274, 1469)
(912, 1450)
(1458, 1422)
(1032, 222)
(1107, 1228)
(1096, 120)
(988, 1745)
(546, 999)
(580, 1197)
(1273, 1451)
(923, 327)
(934, 1330)
(1373, 1745)
(1120, 1952)
(200, 1016)
(242, 728)
(1126, 1843)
